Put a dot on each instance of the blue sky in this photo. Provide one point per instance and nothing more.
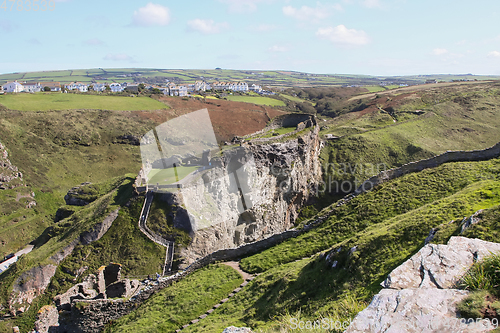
(375, 37)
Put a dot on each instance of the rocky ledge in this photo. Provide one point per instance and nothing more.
(418, 296)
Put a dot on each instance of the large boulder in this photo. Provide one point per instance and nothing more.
(419, 295)
(413, 310)
(439, 266)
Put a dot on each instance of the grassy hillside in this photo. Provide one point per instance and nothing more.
(175, 306)
(385, 227)
(58, 101)
(394, 130)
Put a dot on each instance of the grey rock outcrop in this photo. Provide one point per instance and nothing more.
(47, 320)
(418, 295)
(10, 176)
(72, 198)
(225, 214)
(439, 266)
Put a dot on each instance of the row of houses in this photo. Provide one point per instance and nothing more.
(170, 89)
(234, 86)
(32, 87)
(16, 87)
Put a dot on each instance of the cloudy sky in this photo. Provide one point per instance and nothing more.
(376, 37)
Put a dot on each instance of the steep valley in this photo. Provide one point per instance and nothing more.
(294, 276)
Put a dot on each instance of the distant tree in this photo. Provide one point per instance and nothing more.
(141, 87)
(156, 91)
(107, 88)
(46, 88)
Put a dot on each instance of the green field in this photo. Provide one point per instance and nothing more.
(373, 89)
(256, 100)
(274, 78)
(58, 101)
(167, 176)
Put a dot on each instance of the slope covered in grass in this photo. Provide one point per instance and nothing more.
(403, 195)
(428, 123)
(58, 101)
(385, 227)
(182, 302)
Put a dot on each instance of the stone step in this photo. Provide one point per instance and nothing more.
(194, 321)
(183, 327)
(236, 290)
(203, 316)
(210, 311)
(230, 295)
(217, 305)
(224, 300)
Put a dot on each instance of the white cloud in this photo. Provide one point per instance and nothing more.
(306, 13)
(119, 57)
(206, 26)
(242, 6)
(372, 3)
(151, 15)
(494, 54)
(343, 36)
(263, 28)
(278, 48)
(94, 42)
(439, 51)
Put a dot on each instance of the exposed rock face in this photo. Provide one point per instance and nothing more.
(439, 266)
(72, 197)
(10, 176)
(47, 320)
(411, 310)
(273, 182)
(30, 285)
(417, 298)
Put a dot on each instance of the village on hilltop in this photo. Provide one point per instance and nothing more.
(170, 89)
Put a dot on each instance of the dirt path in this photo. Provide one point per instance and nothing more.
(236, 266)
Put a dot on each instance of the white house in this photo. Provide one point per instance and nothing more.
(175, 90)
(99, 86)
(241, 86)
(31, 87)
(255, 88)
(53, 86)
(116, 87)
(81, 87)
(13, 87)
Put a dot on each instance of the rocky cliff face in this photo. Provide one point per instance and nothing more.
(419, 294)
(10, 176)
(254, 191)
